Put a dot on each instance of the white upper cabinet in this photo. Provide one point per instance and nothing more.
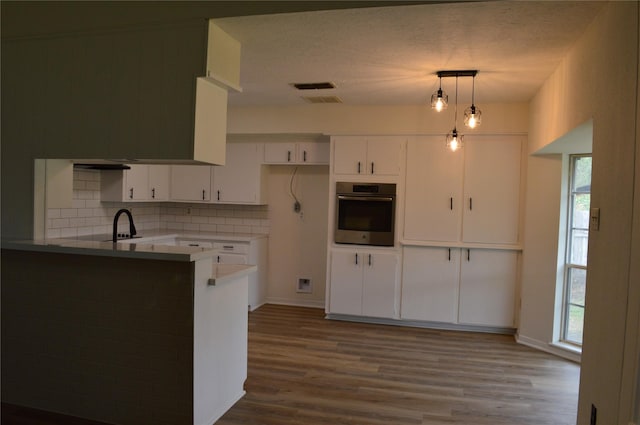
(491, 189)
(433, 209)
(243, 179)
(159, 182)
(361, 155)
(472, 195)
(298, 153)
(191, 183)
(141, 182)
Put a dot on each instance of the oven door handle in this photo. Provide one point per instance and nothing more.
(366, 198)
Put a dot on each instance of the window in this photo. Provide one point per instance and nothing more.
(577, 243)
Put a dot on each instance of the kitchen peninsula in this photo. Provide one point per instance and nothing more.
(123, 333)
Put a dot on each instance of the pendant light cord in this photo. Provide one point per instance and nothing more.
(455, 111)
(473, 90)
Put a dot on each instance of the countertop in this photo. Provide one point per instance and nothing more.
(142, 248)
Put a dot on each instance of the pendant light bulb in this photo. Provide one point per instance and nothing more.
(454, 140)
(439, 99)
(472, 115)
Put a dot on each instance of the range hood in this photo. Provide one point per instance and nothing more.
(100, 166)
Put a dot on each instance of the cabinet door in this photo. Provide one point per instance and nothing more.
(159, 182)
(492, 189)
(280, 153)
(190, 182)
(379, 284)
(487, 287)
(346, 282)
(313, 152)
(136, 182)
(239, 180)
(350, 155)
(433, 203)
(430, 284)
(383, 156)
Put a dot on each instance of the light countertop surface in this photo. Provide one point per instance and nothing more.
(149, 246)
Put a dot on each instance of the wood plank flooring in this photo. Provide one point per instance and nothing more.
(306, 370)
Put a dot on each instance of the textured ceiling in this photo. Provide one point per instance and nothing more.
(389, 55)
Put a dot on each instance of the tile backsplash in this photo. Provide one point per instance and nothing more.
(89, 216)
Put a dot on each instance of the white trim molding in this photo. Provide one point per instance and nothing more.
(557, 349)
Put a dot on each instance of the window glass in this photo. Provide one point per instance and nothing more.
(577, 248)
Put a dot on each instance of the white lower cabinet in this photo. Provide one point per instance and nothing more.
(363, 283)
(459, 285)
(487, 287)
(430, 278)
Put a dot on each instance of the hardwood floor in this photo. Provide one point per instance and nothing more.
(306, 370)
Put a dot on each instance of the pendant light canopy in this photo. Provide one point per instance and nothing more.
(439, 99)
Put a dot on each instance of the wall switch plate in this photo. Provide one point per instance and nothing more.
(594, 219)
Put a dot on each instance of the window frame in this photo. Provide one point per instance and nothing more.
(568, 263)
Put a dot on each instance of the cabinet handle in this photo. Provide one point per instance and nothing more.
(304, 156)
(153, 193)
(203, 194)
(218, 259)
(372, 167)
(451, 203)
(131, 193)
(470, 203)
(356, 259)
(218, 195)
(449, 254)
(288, 156)
(468, 254)
(369, 259)
(358, 167)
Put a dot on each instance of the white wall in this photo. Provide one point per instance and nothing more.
(338, 119)
(298, 241)
(596, 80)
(298, 246)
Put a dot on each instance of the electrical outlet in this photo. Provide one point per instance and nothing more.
(594, 414)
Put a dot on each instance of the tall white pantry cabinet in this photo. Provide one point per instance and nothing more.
(461, 231)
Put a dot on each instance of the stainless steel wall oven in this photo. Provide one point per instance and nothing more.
(365, 213)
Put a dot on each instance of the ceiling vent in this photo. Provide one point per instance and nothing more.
(314, 86)
(322, 99)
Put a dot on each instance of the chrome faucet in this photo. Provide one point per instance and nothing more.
(132, 228)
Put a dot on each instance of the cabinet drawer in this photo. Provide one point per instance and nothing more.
(201, 244)
(223, 258)
(231, 247)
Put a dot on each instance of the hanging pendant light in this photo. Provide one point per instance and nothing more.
(472, 115)
(439, 99)
(455, 141)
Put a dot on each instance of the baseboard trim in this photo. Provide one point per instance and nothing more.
(296, 303)
(421, 324)
(549, 348)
